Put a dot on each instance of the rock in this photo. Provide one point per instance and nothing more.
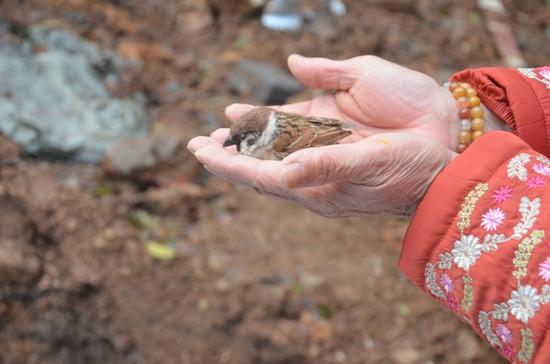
(263, 82)
(283, 15)
(130, 155)
(54, 98)
(138, 154)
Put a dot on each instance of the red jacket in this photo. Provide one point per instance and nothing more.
(480, 239)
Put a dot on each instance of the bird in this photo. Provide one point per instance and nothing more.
(269, 134)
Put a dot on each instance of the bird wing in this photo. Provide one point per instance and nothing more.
(314, 132)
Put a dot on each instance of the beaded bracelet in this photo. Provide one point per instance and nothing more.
(470, 113)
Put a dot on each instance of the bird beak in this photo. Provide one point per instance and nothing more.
(229, 142)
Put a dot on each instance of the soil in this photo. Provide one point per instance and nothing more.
(254, 280)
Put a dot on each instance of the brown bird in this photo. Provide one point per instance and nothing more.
(266, 133)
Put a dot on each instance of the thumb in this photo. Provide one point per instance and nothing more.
(333, 163)
(324, 73)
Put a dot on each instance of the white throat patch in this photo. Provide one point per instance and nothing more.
(269, 131)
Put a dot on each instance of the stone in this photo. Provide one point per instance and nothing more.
(140, 153)
(263, 82)
(55, 99)
(129, 155)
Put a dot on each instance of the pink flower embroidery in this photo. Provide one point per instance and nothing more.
(545, 72)
(535, 182)
(508, 351)
(544, 270)
(502, 194)
(492, 219)
(504, 333)
(451, 302)
(542, 168)
(447, 283)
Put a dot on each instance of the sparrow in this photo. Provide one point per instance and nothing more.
(266, 133)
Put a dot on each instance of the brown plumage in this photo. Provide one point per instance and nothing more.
(266, 133)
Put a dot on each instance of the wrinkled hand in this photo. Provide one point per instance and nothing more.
(377, 95)
(406, 129)
(385, 173)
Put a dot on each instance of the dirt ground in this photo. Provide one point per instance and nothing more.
(254, 280)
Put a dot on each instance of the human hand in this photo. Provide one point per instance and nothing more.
(385, 173)
(377, 95)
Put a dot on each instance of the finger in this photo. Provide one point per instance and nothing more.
(235, 111)
(335, 163)
(220, 135)
(199, 142)
(324, 73)
(269, 176)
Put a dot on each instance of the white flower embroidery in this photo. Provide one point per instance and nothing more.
(491, 241)
(524, 303)
(529, 210)
(500, 311)
(492, 219)
(545, 295)
(530, 73)
(466, 251)
(516, 166)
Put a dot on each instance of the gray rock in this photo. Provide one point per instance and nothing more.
(263, 82)
(141, 153)
(130, 155)
(55, 102)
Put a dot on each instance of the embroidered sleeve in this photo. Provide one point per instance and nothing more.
(489, 260)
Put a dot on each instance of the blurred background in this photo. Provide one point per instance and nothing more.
(117, 247)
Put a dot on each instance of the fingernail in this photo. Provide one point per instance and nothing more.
(190, 148)
(294, 174)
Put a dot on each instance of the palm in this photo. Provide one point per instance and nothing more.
(377, 95)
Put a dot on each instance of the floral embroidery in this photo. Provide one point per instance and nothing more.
(524, 303)
(502, 194)
(545, 294)
(523, 253)
(500, 311)
(525, 300)
(469, 204)
(544, 270)
(503, 333)
(485, 326)
(451, 302)
(492, 219)
(542, 168)
(466, 251)
(431, 281)
(516, 166)
(535, 182)
(508, 351)
(542, 76)
(447, 283)
(468, 297)
(491, 241)
(529, 210)
(527, 346)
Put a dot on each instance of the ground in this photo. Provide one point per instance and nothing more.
(254, 280)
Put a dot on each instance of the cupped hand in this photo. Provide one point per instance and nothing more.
(377, 95)
(385, 173)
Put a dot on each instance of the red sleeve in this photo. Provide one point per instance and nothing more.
(520, 97)
(480, 243)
